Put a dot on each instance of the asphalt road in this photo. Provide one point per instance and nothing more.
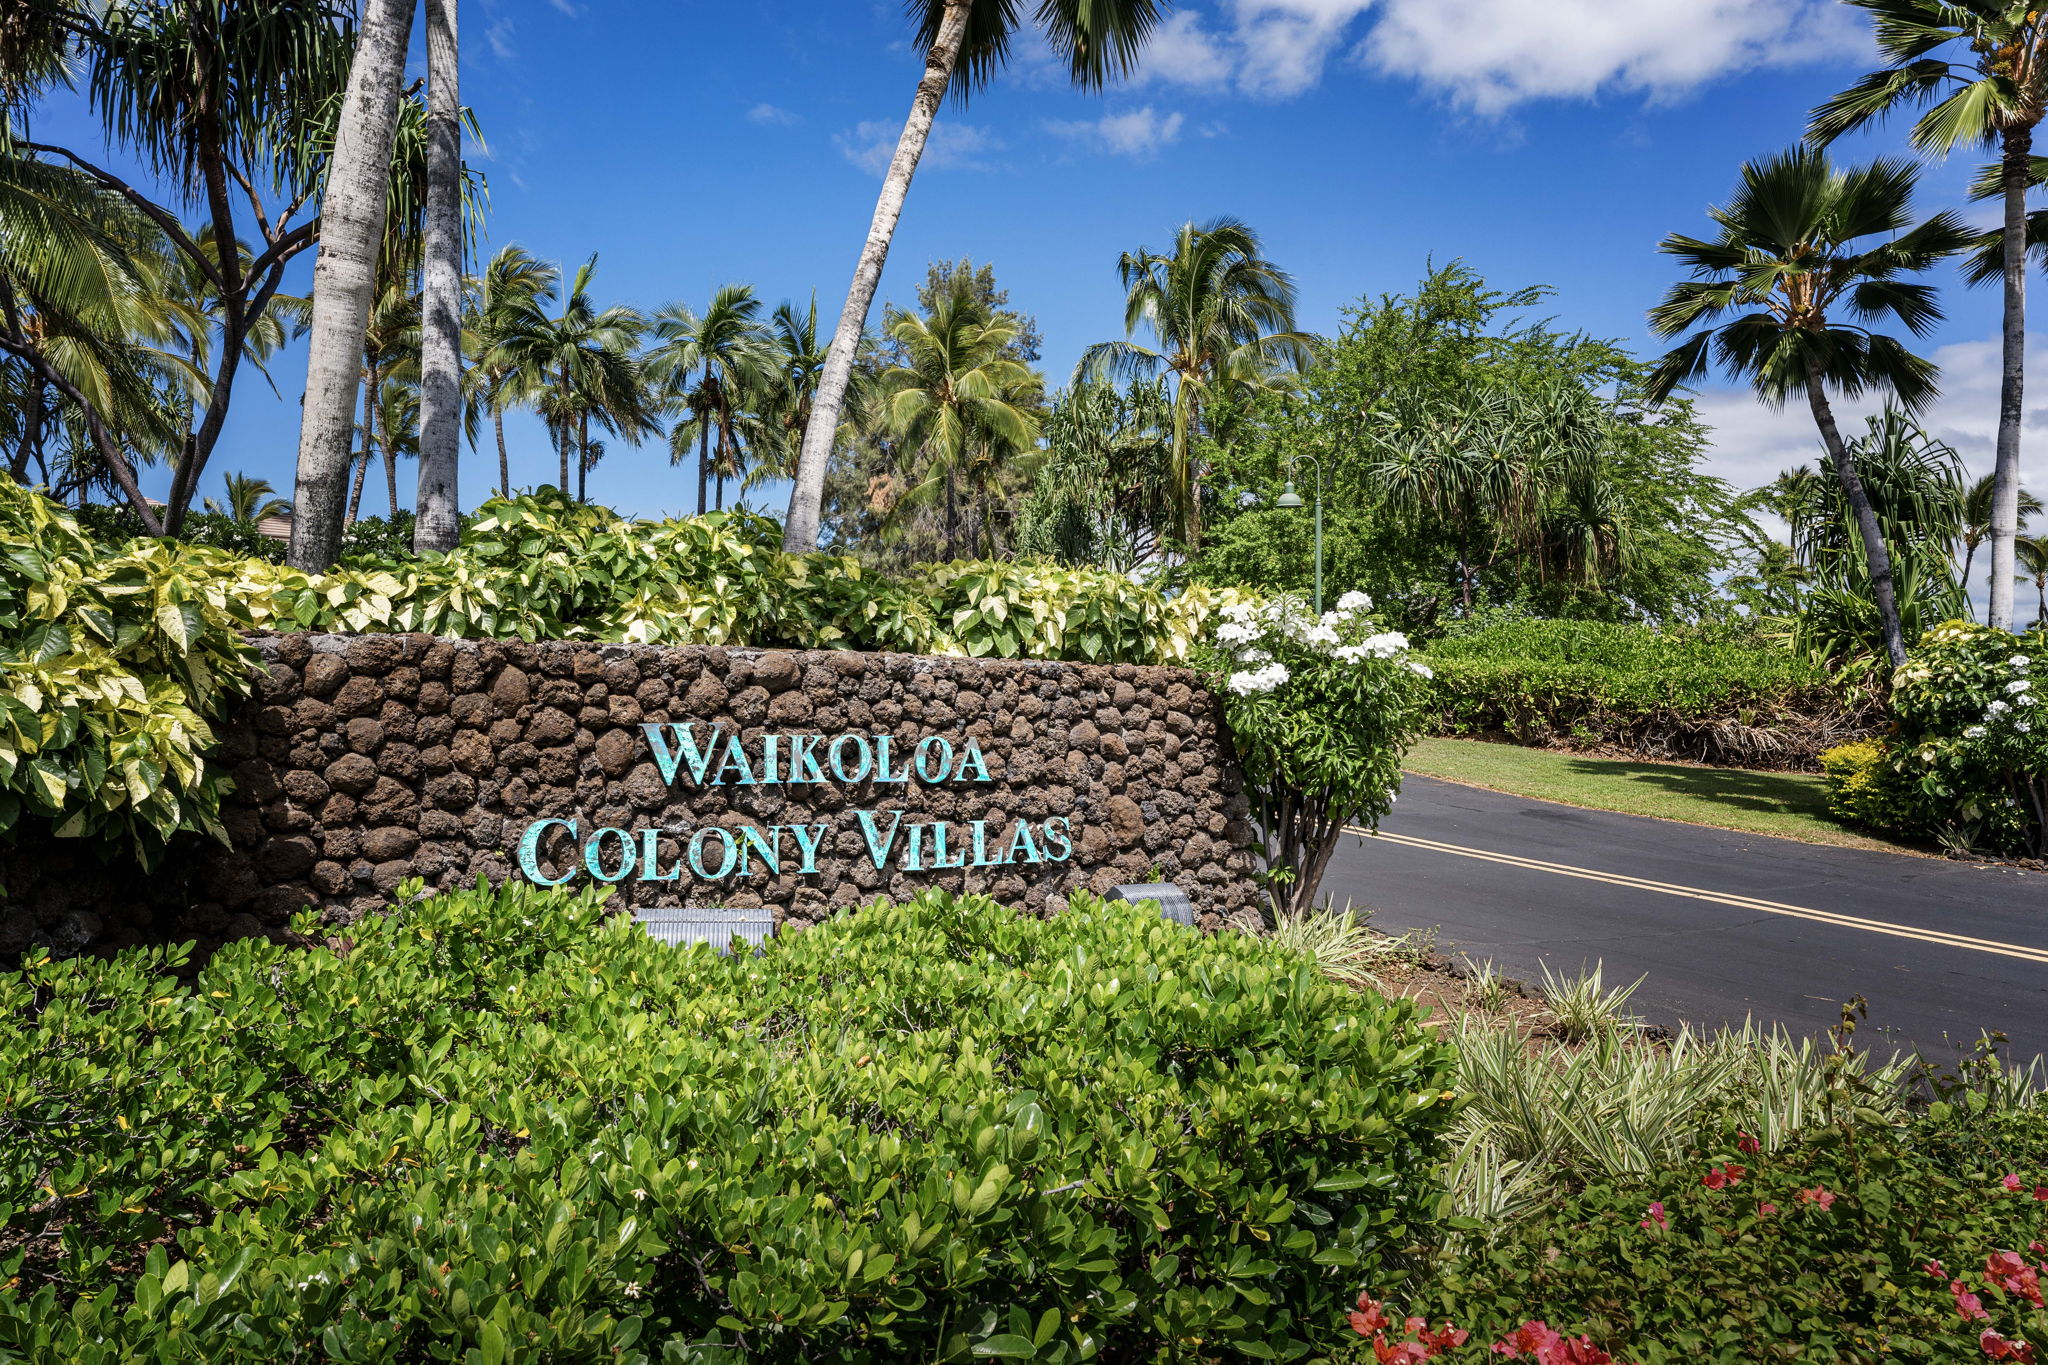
(1725, 925)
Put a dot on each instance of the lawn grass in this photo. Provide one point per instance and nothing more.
(1787, 805)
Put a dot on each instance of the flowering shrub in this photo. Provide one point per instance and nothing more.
(1968, 761)
(1321, 709)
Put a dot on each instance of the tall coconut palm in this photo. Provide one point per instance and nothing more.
(960, 404)
(390, 355)
(1978, 510)
(1222, 318)
(248, 499)
(2032, 554)
(797, 360)
(352, 213)
(440, 508)
(507, 305)
(1993, 92)
(1805, 255)
(966, 43)
(578, 366)
(710, 364)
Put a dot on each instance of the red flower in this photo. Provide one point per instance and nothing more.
(1936, 1269)
(1533, 1337)
(2041, 1192)
(1721, 1177)
(1747, 1145)
(2004, 1348)
(2011, 1182)
(1656, 1221)
(1968, 1304)
(1370, 1316)
(1399, 1352)
(1819, 1194)
(2009, 1271)
(1766, 1210)
(1445, 1338)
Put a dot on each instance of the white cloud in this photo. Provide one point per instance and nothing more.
(773, 116)
(499, 37)
(952, 146)
(1183, 52)
(568, 7)
(1138, 133)
(1489, 54)
(1283, 44)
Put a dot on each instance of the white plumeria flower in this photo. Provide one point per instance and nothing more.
(2017, 686)
(1235, 633)
(1257, 680)
(1354, 654)
(1319, 635)
(2019, 661)
(1386, 644)
(1974, 732)
(1419, 668)
(1354, 601)
(1995, 708)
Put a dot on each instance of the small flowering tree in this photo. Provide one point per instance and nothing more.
(1321, 709)
(1973, 731)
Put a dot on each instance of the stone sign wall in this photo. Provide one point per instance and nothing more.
(801, 780)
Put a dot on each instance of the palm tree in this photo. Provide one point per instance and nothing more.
(577, 367)
(726, 350)
(784, 411)
(1977, 515)
(1222, 317)
(352, 213)
(398, 418)
(2032, 553)
(960, 403)
(391, 351)
(1802, 249)
(507, 305)
(966, 43)
(440, 507)
(1994, 93)
(249, 499)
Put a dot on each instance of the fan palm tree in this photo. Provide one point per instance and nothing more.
(726, 351)
(507, 305)
(1222, 318)
(440, 510)
(249, 499)
(2032, 554)
(1805, 254)
(1977, 515)
(1992, 93)
(960, 404)
(966, 43)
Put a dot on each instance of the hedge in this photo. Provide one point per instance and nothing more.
(1697, 693)
(497, 1127)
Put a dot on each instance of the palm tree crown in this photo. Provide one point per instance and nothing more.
(711, 365)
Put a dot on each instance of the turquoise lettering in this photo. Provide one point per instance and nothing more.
(593, 860)
(878, 847)
(529, 851)
(803, 761)
(770, 751)
(913, 856)
(688, 752)
(808, 837)
(882, 773)
(1022, 839)
(1059, 830)
(973, 767)
(867, 759)
(732, 854)
(650, 858)
(754, 840)
(931, 746)
(939, 849)
(735, 758)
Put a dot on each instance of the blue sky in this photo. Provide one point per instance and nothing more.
(691, 144)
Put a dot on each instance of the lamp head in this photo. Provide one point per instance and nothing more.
(1288, 497)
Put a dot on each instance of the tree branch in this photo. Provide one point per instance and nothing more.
(165, 220)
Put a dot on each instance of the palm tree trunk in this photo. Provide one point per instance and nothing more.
(703, 464)
(351, 234)
(504, 461)
(2005, 487)
(439, 520)
(583, 458)
(807, 497)
(391, 471)
(952, 520)
(1969, 554)
(1874, 552)
(362, 463)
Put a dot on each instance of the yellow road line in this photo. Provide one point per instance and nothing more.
(1873, 926)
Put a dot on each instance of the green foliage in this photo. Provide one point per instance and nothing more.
(1320, 710)
(112, 662)
(117, 526)
(1967, 761)
(1852, 1245)
(1868, 791)
(1708, 693)
(499, 1126)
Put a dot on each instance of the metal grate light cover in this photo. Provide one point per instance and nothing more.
(1173, 902)
(716, 925)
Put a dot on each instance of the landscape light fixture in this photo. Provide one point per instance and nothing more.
(1291, 500)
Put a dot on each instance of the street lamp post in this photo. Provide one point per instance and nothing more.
(1291, 499)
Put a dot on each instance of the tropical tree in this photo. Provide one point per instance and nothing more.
(783, 409)
(439, 522)
(506, 309)
(1978, 512)
(390, 356)
(248, 499)
(712, 365)
(577, 367)
(960, 406)
(1222, 320)
(2032, 553)
(966, 43)
(1805, 254)
(1992, 93)
(1103, 495)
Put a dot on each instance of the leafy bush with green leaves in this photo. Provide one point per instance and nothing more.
(112, 665)
(1707, 693)
(1861, 1243)
(1321, 709)
(116, 527)
(501, 1126)
(1868, 791)
(1968, 755)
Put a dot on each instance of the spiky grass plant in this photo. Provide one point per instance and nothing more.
(1584, 1008)
(1344, 944)
(1486, 988)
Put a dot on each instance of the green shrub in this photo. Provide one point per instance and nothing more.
(1866, 789)
(1675, 692)
(496, 1127)
(1854, 1245)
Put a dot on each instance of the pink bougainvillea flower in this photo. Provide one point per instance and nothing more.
(1656, 1221)
(1721, 1177)
(1533, 1338)
(1445, 1338)
(1820, 1195)
(1370, 1316)
(2008, 1270)
(2004, 1348)
(1747, 1145)
(1968, 1304)
(1399, 1352)
(1936, 1269)
(1766, 1209)
(2041, 1192)
(2011, 1182)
